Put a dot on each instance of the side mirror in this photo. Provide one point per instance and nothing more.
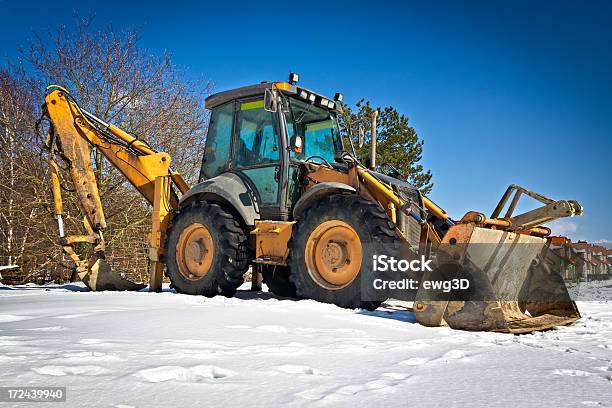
(361, 137)
(296, 143)
(270, 100)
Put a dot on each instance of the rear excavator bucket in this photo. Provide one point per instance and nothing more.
(96, 273)
(100, 277)
(511, 289)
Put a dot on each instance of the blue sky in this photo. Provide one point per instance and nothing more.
(501, 93)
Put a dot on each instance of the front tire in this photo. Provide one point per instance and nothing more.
(205, 251)
(331, 247)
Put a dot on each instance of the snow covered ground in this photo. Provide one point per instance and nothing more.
(255, 350)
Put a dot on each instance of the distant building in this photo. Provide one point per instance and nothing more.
(584, 263)
(599, 256)
(560, 256)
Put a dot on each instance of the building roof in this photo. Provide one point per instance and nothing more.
(560, 240)
(598, 249)
(582, 245)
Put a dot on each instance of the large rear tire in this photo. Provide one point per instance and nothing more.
(331, 248)
(206, 251)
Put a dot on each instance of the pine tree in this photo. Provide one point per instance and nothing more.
(398, 144)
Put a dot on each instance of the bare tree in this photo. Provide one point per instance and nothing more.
(113, 77)
(24, 223)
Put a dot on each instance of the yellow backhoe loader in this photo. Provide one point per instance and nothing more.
(278, 191)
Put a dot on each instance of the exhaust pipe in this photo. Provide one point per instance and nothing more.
(373, 141)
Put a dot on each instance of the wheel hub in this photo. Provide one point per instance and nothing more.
(333, 254)
(195, 251)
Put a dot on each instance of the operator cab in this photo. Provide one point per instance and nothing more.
(262, 133)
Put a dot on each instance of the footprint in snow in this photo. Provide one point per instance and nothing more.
(572, 373)
(353, 389)
(418, 343)
(450, 355)
(85, 356)
(298, 369)
(415, 361)
(503, 342)
(194, 374)
(397, 376)
(454, 355)
(58, 370)
(382, 385)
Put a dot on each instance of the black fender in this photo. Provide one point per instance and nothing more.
(229, 190)
(317, 192)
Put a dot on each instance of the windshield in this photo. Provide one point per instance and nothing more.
(318, 128)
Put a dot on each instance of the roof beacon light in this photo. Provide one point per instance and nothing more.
(338, 97)
(293, 78)
(311, 98)
(303, 94)
(324, 102)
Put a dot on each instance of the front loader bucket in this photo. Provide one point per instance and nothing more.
(511, 288)
(100, 277)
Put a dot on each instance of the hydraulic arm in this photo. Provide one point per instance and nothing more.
(72, 133)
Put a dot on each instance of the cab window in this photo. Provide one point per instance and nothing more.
(257, 137)
(317, 127)
(218, 140)
(319, 137)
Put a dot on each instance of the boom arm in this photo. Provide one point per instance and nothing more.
(72, 133)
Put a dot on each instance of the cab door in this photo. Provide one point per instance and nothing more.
(257, 152)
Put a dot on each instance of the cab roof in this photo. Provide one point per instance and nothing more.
(220, 98)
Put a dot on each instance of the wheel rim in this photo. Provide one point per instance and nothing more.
(333, 254)
(195, 251)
